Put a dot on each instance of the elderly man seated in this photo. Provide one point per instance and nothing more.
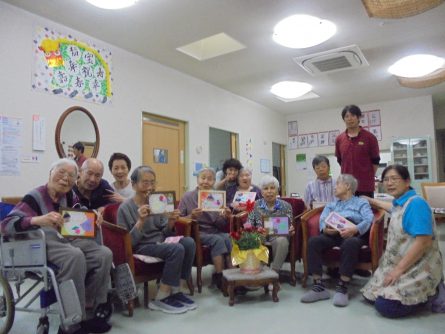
(93, 191)
(82, 260)
(350, 239)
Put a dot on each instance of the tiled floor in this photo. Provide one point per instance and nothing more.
(256, 313)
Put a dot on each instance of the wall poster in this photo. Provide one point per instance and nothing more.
(65, 66)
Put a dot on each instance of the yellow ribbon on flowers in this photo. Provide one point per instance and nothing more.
(240, 256)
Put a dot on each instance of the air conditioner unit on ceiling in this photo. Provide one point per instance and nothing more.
(345, 58)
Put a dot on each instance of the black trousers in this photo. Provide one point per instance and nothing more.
(349, 251)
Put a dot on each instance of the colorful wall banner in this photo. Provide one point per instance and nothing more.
(68, 67)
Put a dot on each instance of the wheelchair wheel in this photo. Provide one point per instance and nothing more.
(7, 308)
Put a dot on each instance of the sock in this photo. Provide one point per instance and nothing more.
(342, 286)
(175, 289)
(161, 295)
(318, 286)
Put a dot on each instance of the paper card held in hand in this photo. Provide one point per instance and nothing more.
(78, 223)
(211, 200)
(161, 202)
(241, 197)
(337, 221)
(276, 225)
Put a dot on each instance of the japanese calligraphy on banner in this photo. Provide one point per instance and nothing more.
(67, 67)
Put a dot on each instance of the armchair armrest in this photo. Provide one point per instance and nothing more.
(118, 240)
(183, 226)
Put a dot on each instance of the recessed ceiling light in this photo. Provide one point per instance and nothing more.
(416, 66)
(290, 89)
(112, 4)
(303, 31)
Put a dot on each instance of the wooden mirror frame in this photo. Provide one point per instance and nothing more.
(62, 118)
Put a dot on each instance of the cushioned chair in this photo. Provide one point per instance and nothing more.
(203, 257)
(369, 254)
(434, 194)
(119, 241)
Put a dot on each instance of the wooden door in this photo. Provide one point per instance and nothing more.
(163, 150)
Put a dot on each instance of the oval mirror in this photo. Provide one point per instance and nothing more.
(77, 124)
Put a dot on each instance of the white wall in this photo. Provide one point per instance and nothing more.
(139, 85)
(399, 118)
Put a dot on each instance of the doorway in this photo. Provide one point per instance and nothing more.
(223, 145)
(163, 141)
(279, 163)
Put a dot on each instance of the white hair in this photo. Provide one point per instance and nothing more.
(349, 180)
(267, 180)
(247, 170)
(207, 169)
(62, 162)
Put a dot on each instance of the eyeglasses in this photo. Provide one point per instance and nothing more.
(393, 179)
(61, 173)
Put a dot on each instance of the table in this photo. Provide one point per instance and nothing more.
(233, 278)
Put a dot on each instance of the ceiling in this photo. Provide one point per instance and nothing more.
(155, 28)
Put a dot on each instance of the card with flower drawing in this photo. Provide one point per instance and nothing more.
(161, 202)
(337, 221)
(211, 200)
(78, 223)
(276, 225)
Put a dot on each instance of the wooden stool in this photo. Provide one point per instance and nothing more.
(233, 278)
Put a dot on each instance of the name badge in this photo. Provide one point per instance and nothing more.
(361, 143)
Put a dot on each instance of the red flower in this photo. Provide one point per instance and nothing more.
(249, 205)
(235, 235)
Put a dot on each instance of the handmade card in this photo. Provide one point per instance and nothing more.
(241, 197)
(78, 223)
(337, 221)
(276, 225)
(211, 200)
(161, 202)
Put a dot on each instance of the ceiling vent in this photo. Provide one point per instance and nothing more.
(345, 58)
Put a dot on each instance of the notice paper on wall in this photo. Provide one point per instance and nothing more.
(11, 130)
(38, 133)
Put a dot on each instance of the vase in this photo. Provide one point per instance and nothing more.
(252, 265)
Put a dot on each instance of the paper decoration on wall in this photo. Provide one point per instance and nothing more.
(292, 143)
(11, 136)
(312, 140)
(376, 131)
(292, 128)
(302, 141)
(249, 156)
(332, 136)
(301, 161)
(323, 138)
(67, 67)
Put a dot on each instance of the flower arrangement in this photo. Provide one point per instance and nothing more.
(249, 237)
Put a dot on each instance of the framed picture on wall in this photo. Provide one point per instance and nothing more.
(376, 131)
(302, 141)
(364, 119)
(312, 140)
(374, 118)
(265, 165)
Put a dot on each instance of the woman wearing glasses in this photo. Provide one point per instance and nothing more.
(410, 270)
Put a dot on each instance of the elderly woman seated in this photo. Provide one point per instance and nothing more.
(82, 260)
(349, 239)
(269, 206)
(148, 237)
(211, 224)
(245, 185)
(410, 270)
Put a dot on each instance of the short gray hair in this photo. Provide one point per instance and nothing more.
(269, 179)
(207, 169)
(349, 180)
(137, 173)
(64, 161)
(247, 170)
(88, 161)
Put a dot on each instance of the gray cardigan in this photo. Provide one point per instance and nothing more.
(155, 228)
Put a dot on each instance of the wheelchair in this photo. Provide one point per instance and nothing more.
(23, 264)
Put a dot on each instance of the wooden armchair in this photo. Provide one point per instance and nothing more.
(119, 241)
(369, 255)
(203, 256)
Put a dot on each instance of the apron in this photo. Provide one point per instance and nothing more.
(420, 281)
